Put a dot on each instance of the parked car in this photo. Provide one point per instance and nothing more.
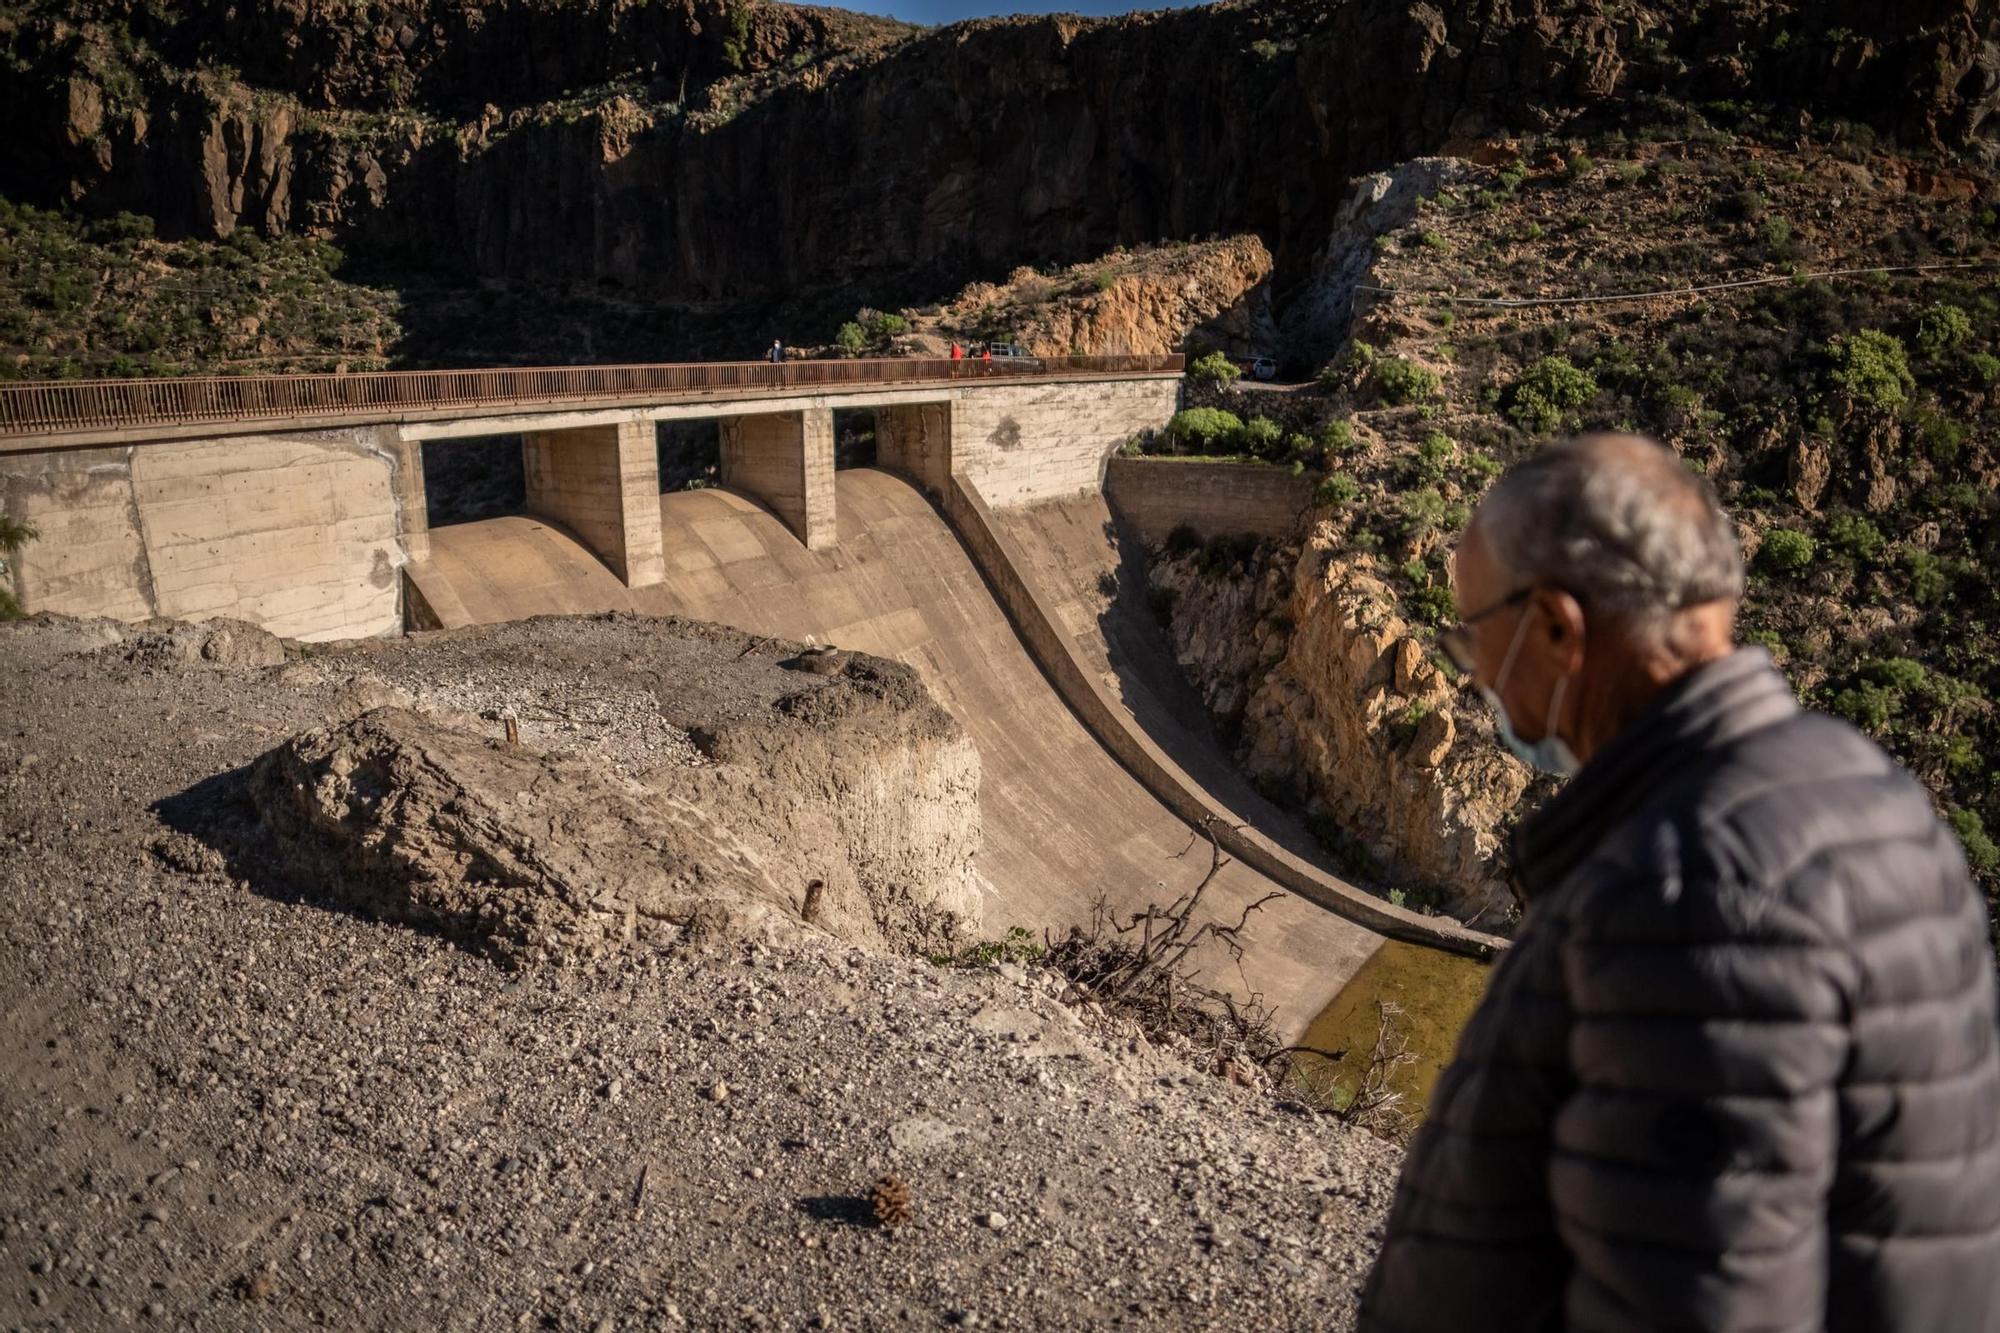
(1008, 349)
(1263, 368)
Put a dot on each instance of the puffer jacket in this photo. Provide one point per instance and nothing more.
(1740, 1069)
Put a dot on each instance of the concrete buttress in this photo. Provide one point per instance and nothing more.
(603, 483)
(785, 459)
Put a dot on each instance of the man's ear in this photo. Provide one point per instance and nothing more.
(1563, 622)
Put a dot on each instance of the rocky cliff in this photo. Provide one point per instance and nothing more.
(1338, 706)
(703, 152)
(1149, 300)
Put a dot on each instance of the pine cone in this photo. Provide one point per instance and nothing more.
(889, 1200)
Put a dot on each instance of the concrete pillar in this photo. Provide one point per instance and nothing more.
(785, 459)
(603, 483)
(915, 439)
(413, 515)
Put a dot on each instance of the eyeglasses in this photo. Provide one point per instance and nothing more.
(1456, 642)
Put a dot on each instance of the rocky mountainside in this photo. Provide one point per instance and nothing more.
(1809, 320)
(744, 152)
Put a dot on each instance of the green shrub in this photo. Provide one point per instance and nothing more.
(852, 338)
(1786, 552)
(1901, 674)
(1424, 512)
(736, 46)
(1261, 437)
(1867, 706)
(122, 229)
(1941, 437)
(1984, 367)
(1961, 495)
(1223, 554)
(880, 325)
(1769, 640)
(1855, 537)
(1104, 280)
(14, 534)
(1580, 166)
(1961, 757)
(1337, 437)
(1204, 430)
(1402, 381)
(1215, 368)
(65, 292)
(1434, 457)
(1873, 368)
(1943, 327)
(1337, 489)
(1928, 581)
(1980, 852)
(1435, 604)
(1550, 390)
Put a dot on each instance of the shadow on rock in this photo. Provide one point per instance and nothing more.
(214, 830)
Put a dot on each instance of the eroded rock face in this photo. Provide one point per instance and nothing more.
(1143, 303)
(859, 781)
(1336, 700)
(480, 139)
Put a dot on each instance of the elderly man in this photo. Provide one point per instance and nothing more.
(1738, 1070)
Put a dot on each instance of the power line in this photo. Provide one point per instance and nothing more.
(1526, 302)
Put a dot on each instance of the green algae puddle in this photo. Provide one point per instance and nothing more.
(1435, 993)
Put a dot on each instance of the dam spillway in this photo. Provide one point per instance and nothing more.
(1064, 821)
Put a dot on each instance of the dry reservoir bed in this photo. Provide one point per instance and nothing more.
(322, 1005)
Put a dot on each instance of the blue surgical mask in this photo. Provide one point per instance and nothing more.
(1551, 754)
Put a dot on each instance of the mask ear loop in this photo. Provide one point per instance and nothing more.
(1554, 725)
(1513, 651)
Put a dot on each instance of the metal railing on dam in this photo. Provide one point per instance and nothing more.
(57, 406)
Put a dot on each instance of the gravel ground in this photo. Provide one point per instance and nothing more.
(222, 1108)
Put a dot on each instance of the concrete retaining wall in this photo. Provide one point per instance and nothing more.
(1030, 442)
(1215, 499)
(1041, 630)
(302, 534)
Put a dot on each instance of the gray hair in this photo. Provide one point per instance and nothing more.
(1618, 522)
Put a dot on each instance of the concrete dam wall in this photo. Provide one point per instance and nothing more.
(979, 552)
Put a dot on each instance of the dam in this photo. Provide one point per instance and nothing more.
(980, 548)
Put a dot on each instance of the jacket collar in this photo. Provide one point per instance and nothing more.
(1706, 709)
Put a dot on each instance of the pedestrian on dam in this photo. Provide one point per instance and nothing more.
(957, 352)
(1738, 1069)
(777, 352)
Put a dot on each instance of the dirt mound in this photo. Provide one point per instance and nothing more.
(224, 644)
(855, 780)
